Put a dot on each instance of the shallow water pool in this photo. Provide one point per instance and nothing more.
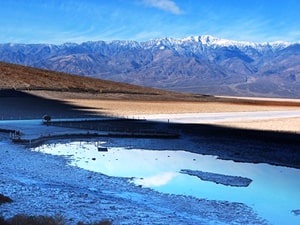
(273, 193)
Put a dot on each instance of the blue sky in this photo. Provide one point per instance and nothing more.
(54, 21)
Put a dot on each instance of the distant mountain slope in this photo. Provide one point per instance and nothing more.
(199, 64)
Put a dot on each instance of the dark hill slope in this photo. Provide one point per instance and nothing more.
(25, 78)
(28, 78)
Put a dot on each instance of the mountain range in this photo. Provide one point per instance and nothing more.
(197, 64)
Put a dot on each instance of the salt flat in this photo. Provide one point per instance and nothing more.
(41, 184)
(276, 115)
(220, 117)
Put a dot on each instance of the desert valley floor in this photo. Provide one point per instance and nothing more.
(46, 183)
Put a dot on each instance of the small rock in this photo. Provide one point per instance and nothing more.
(5, 199)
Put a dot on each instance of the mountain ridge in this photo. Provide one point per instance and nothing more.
(198, 64)
(204, 39)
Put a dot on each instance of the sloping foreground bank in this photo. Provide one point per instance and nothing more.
(41, 184)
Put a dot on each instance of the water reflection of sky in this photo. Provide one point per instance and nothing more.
(273, 193)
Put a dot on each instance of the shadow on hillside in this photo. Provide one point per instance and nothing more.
(15, 105)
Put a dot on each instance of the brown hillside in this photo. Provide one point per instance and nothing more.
(24, 78)
(59, 85)
(28, 78)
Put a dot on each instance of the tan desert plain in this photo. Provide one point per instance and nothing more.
(142, 109)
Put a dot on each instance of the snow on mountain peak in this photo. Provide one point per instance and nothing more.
(279, 44)
(212, 41)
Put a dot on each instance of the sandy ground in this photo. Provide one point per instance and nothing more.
(133, 108)
(128, 108)
(285, 124)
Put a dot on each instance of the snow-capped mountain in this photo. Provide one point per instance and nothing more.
(200, 64)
